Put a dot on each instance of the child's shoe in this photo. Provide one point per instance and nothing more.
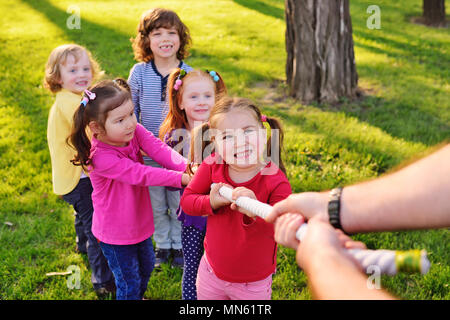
(178, 260)
(161, 256)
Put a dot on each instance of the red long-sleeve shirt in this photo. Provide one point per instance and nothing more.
(237, 248)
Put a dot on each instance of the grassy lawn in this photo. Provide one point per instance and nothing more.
(403, 69)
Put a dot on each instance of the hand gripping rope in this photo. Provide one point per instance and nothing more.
(388, 261)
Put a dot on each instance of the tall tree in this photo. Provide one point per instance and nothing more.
(319, 43)
(434, 12)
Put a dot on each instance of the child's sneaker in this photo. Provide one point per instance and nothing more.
(161, 256)
(178, 260)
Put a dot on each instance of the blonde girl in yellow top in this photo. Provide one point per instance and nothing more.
(69, 71)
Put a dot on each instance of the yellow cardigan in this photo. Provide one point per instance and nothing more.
(65, 175)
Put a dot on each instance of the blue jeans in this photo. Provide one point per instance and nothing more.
(132, 266)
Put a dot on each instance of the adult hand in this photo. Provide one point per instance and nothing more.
(286, 227)
(308, 204)
(323, 242)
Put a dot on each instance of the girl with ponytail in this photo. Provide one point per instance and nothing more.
(240, 147)
(123, 218)
(191, 97)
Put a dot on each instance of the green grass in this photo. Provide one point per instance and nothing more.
(403, 69)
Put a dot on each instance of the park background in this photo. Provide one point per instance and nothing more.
(404, 114)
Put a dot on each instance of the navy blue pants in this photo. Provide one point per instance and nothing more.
(132, 266)
(192, 243)
(80, 199)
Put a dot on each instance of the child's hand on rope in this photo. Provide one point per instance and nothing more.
(242, 192)
(215, 199)
(185, 179)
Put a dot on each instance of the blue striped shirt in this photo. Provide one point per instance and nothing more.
(148, 91)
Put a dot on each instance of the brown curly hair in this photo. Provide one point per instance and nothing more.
(154, 19)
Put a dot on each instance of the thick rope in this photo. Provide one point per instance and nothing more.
(382, 261)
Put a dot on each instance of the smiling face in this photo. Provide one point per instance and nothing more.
(164, 42)
(240, 139)
(119, 126)
(197, 98)
(76, 73)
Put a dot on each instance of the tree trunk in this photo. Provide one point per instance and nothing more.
(434, 12)
(319, 43)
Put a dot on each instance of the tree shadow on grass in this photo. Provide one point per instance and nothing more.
(384, 152)
(91, 32)
(434, 60)
(262, 7)
(88, 36)
(109, 46)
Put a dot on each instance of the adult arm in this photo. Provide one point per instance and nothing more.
(415, 197)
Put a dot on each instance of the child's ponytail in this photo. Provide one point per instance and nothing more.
(201, 146)
(79, 139)
(102, 98)
(277, 133)
(122, 83)
(220, 87)
(176, 118)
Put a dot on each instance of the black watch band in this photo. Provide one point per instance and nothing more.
(334, 207)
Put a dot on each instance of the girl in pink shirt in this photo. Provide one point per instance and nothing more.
(123, 218)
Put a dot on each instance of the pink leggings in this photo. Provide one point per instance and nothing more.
(210, 287)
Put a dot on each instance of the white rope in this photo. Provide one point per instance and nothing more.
(381, 261)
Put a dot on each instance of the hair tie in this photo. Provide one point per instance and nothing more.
(179, 82)
(84, 101)
(263, 118)
(214, 75)
(88, 95)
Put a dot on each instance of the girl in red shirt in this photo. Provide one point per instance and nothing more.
(240, 250)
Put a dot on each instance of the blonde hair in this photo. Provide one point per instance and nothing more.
(59, 56)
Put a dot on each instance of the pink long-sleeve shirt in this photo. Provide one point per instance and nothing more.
(122, 208)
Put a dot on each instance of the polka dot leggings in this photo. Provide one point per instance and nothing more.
(192, 243)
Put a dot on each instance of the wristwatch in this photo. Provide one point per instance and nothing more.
(334, 207)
